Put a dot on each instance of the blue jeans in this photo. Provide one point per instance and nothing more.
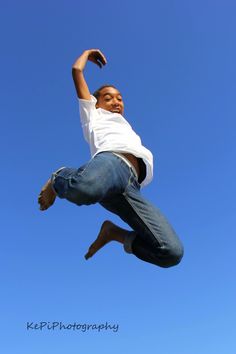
(108, 180)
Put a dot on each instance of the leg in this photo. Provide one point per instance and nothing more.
(86, 185)
(103, 176)
(153, 239)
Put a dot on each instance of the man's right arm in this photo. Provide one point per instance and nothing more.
(81, 86)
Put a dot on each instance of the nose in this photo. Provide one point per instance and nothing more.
(115, 102)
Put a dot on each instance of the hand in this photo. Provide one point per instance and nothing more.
(97, 57)
(94, 55)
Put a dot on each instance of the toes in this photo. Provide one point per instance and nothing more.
(42, 203)
(87, 256)
(90, 252)
(40, 198)
(42, 207)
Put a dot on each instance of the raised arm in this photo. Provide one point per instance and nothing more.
(93, 55)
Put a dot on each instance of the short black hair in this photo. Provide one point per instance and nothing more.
(97, 93)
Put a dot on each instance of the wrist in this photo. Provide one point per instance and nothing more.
(80, 63)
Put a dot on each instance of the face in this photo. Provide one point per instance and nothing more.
(110, 99)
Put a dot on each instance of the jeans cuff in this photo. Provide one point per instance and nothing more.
(128, 242)
(54, 175)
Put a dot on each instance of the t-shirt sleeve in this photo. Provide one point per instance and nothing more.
(87, 110)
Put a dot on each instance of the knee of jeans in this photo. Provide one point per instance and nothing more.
(84, 192)
(173, 257)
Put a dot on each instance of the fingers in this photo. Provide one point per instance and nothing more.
(97, 57)
(102, 57)
(98, 61)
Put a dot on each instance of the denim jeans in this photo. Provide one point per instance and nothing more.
(108, 180)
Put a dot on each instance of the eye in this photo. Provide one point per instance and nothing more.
(107, 98)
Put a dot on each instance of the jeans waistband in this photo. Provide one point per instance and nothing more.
(127, 162)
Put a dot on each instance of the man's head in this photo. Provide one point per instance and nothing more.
(109, 98)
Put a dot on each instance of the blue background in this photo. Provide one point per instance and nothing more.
(174, 62)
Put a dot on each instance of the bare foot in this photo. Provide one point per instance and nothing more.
(47, 196)
(107, 233)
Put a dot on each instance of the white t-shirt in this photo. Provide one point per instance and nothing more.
(108, 131)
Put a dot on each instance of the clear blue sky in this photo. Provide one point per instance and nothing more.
(174, 62)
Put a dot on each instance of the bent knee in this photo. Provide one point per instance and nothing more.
(85, 192)
(172, 258)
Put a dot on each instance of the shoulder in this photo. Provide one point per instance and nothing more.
(92, 102)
